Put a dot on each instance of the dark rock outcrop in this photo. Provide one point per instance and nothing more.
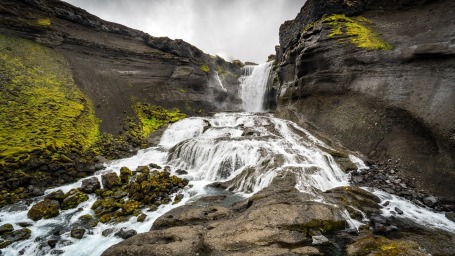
(109, 73)
(381, 83)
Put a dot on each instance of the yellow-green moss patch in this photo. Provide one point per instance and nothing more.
(153, 117)
(357, 30)
(41, 108)
(205, 68)
(46, 22)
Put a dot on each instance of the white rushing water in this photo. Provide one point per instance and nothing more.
(245, 150)
(253, 86)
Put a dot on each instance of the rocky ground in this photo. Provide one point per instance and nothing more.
(280, 220)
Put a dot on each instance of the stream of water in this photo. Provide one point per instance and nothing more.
(248, 149)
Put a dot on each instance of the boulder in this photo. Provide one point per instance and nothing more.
(73, 198)
(125, 233)
(110, 180)
(45, 209)
(57, 195)
(6, 228)
(125, 174)
(90, 185)
(77, 233)
(378, 245)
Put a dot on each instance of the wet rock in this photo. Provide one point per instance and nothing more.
(178, 198)
(73, 198)
(141, 218)
(77, 233)
(57, 195)
(107, 232)
(90, 185)
(125, 174)
(181, 172)
(17, 235)
(320, 240)
(154, 166)
(25, 224)
(45, 209)
(6, 228)
(450, 216)
(430, 201)
(57, 252)
(110, 180)
(398, 210)
(143, 169)
(35, 191)
(125, 234)
(52, 243)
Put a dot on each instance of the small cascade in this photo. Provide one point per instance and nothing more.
(220, 83)
(245, 151)
(253, 86)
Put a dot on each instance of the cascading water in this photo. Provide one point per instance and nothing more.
(244, 150)
(253, 86)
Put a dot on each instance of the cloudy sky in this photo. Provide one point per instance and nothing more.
(234, 29)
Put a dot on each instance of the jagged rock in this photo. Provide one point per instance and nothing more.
(110, 180)
(73, 198)
(154, 166)
(44, 209)
(320, 240)
(90, 185)
(125, 234)
(77, 233)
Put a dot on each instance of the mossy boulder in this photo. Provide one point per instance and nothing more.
(141, 218)
(125, 174)
(57, 195)
(90, 185)
(17, 235)
(6, 228)
(110, 180)
(73, 198)
(77, 233)
(381, 246)
(353, 199)
(45, 209)
(107, 205)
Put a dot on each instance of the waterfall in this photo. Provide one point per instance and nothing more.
(244, 150)
(253, 86)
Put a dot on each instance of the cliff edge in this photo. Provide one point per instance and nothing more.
(378, 77)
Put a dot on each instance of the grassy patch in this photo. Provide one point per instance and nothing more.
(153, 117)
(356, 28)
(41, 108)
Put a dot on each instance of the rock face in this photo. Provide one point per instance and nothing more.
(377, 76)
(101, 89)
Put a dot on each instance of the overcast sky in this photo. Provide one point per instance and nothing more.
(234, 29)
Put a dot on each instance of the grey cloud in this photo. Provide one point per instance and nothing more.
(239, 29)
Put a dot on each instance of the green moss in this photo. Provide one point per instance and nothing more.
(356, 28)
(381, 246)
(205, 68)
(154, 117)
(73, 199)
(45, 209)
(105, 218)
(46, 22)
(41, 108)
(182, 90)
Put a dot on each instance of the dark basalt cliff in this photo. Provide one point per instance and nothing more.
(73, 86)
(377, 76)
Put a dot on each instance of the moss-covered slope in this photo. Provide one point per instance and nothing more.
(42, 110)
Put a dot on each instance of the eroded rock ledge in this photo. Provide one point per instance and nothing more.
(377, 76)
